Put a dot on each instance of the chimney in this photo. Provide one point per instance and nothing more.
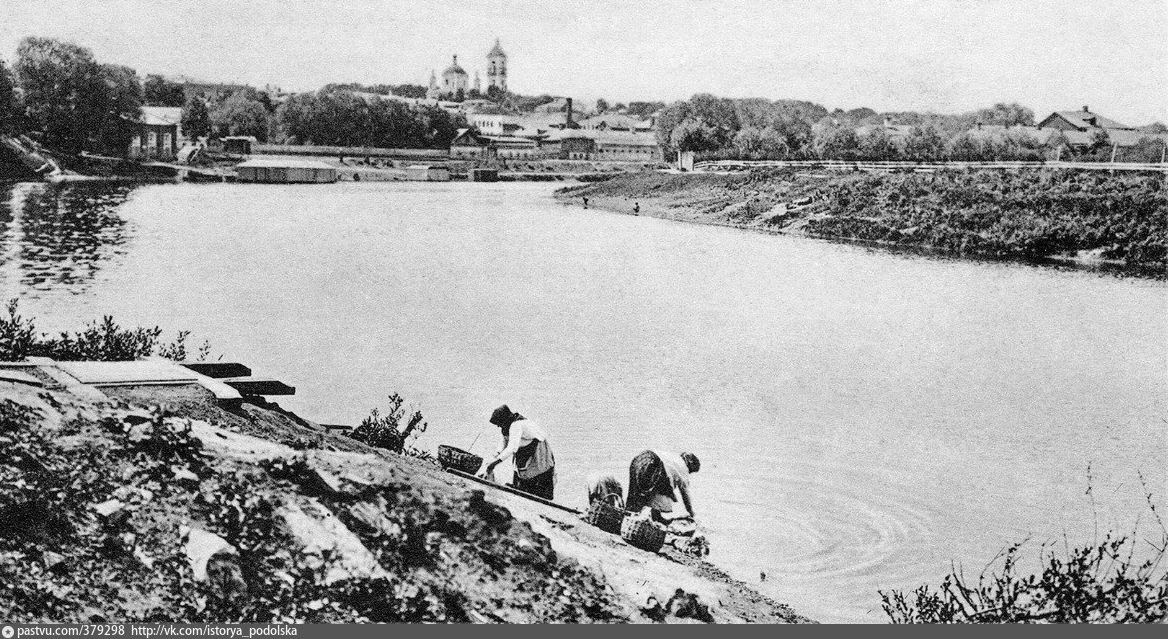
(568, 122)
(1085, 109)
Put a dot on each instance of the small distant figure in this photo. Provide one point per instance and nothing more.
(605, 488)
(657, 479)
(585, 202)
(636, 208)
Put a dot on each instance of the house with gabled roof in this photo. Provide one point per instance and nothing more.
(158, 135)
(1083, 120)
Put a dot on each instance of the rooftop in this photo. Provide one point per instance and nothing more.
(160, 116)
(1085, 119)
(282, 163)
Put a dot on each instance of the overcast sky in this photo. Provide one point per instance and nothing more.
(940, 55)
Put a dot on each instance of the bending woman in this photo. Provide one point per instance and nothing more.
(526, 444)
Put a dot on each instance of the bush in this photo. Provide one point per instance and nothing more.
(100, 340)
(1096, 583)
(387, 431)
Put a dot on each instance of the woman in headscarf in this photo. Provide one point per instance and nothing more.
(526, 444)
(657, 479)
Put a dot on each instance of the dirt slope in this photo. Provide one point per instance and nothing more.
(123, 510)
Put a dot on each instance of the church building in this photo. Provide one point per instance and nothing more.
(454, 78)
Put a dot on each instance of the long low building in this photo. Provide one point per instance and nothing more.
(571, 144)
(286, 171)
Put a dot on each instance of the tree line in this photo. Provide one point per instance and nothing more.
(59, 93)
(756, 128)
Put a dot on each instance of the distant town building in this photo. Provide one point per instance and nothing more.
(158, 135)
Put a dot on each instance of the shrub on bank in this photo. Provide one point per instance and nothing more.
(392, 430)
(1097, 583)
(98, 341)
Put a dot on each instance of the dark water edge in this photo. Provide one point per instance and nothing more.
(1120, 270)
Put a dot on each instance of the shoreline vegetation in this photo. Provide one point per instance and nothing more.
(1105, 220)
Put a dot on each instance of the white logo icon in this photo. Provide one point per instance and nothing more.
(7, 632)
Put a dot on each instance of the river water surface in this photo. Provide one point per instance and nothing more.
(863, 418)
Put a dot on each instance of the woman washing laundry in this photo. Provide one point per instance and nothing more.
(525, 443)
(658, 480)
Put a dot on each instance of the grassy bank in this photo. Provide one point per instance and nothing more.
(1024, 215)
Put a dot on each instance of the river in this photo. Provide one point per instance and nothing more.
(863, 418)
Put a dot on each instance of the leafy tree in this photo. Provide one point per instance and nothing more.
(831, 141)
(474, 94)
(65, 92)
(925, 143)
(642, 108)
(459, 95)
(158, 91)
(9, 106)
(344, 119)
(495, 93)
(1012, 114)
(123, 102)
(759, 144)
(694, 135)
(601, 105)
(410, 90)
(241, 114)
(1147, 149)
(875, 144)
(860, 115)
(1156, 127)
(196, 120)
(966, 148)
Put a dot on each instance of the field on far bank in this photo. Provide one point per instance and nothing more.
(1025, 215)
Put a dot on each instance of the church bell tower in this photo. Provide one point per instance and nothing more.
(497, 68)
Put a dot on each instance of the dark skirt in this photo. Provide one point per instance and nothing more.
(542, 485)
(647, 478)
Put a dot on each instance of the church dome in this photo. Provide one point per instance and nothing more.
(497, 51)
(454, 69)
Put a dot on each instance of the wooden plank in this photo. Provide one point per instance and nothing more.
(508, 489)
(259, 386)
(218, 370)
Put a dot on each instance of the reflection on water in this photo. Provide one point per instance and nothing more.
(58, 237)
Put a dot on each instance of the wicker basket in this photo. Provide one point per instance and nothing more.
(458, 459)
(642, 533)
(605, 517)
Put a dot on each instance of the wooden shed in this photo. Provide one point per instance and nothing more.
(428, 173)
(285, 171)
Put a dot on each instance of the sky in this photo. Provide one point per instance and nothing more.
(938, 55)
